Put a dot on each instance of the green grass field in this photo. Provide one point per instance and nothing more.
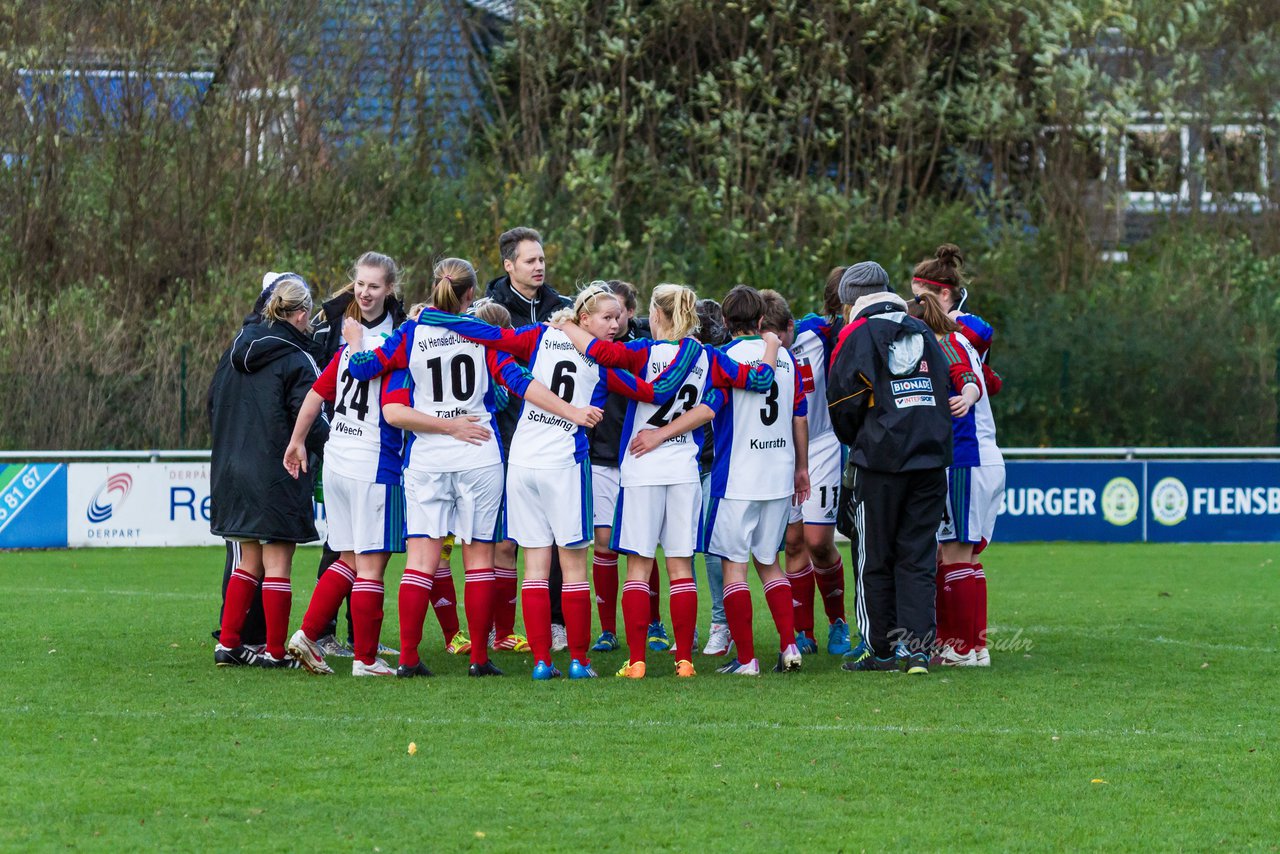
(1142, 715)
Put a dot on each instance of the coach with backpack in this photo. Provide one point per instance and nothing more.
(887, 393)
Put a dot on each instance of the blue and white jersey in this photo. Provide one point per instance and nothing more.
(755, 456)
(675, 460)
(439, 373)
(361, 446)
(974, 435)
(811, 347)
(542, 439)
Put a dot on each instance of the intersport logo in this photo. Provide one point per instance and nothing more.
(102, 506)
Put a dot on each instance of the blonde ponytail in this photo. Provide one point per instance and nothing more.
(454, 277)
(679, 305)
(289, 295)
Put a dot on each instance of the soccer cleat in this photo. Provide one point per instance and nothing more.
(378, 668)
(240, 656)
(286, 663)
(543, 671)
(684, 669)
(513, 643)
(383, 649)
(982, 657)
(458, 645)
(307, 651)
(330, 645)
(404, 671)
(559, 637)
(948, 657)
(578, 670)
(720, 642)
(658, 640)
(866, 662)
(806, 644)
(633, 670)
(607, 642)
(751, 668)
(916, 664)
(791, 658)
(486, 669)
(838, 639)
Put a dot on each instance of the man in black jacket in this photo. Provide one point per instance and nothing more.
(524, 293)
(887, 393)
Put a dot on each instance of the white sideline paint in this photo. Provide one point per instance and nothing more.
(613, 725)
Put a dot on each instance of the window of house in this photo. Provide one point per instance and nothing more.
(1235, 161)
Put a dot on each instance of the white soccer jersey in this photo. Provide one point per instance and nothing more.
(755, 452)
(675, 460)
(811, 349)
(982, 419)
(361, 446)
(543, 440)
(444, 375)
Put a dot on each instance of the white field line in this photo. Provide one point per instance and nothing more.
(230, 719)
(69, 591)
(997, 633)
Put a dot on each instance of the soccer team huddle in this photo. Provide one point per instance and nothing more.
(523, 422)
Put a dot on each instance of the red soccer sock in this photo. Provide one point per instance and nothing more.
(444, 599)
(979, 633)
(777, 594)
(366, 617)
(635, 618)
(505, 595)
(277, 600)
(575, 599)
(830, 581)
(536, 599)
(235, 607)
(479, 586)
(326, 599)
(942, 608)
(960, 589)
(655, 594)
(604, 575)
(802, 585)
(414, 599)
(737, 613)
(684, 616)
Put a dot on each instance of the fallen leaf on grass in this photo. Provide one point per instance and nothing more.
(1099, 780)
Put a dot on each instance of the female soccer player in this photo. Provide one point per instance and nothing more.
(760, 467)
(444, 393)
(943, 276)
(364, 495)
(549, 474)
(253, 401)
(812, 557)
(660, 499)
(975, 482)
(371, 296)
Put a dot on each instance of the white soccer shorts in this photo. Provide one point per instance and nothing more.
(973, 500)
(550, 506)
(826, 462)
(649, 516)
(738, 529)
(605, 483)
(467, 504)
(363, 517)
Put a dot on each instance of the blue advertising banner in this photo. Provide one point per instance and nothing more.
(33, 506)
(1091, 501)
(1228, 501)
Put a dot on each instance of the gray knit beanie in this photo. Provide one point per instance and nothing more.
(865, 277)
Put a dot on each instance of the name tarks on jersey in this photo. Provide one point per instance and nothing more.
(763, 444)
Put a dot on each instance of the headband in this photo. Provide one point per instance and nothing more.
(932, 282)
